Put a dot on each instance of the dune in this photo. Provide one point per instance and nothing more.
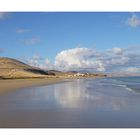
(12, 68)
(20, 75)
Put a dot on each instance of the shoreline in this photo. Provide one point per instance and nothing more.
(7, 85)
(15, 84)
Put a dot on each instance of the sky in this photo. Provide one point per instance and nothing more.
(96, 41)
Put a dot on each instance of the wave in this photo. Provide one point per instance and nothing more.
(124, 86)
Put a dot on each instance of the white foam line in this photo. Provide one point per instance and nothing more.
(124, 86)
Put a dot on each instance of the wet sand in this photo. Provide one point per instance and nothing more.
(75, 103)
(14, 84)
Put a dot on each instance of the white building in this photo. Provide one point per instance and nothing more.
(79, 74)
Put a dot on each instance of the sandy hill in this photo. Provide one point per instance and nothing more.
(12, 68)
(61, 73)
(54, 72)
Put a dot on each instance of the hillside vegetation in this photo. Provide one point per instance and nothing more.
(12, 68)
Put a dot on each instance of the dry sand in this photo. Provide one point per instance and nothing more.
(14, 84)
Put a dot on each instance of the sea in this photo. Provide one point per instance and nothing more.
(74, 103)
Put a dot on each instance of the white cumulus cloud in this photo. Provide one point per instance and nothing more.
(79, 58)
(118, 51)
(133, 21)
(46, 64)
(89, 59)
(40, 62)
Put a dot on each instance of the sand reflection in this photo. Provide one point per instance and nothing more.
(84, 94)
(70, 94)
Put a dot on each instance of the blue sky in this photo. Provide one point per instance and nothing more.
(44, 36)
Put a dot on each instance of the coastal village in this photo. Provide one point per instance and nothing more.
(82, 75)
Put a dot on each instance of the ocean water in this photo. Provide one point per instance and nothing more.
(79, 103)
(132, 83)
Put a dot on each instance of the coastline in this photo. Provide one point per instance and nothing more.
(15, 84)
(8, 85)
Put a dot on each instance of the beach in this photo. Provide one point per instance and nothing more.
(14, 84)
(76, 103)
(8, 85)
